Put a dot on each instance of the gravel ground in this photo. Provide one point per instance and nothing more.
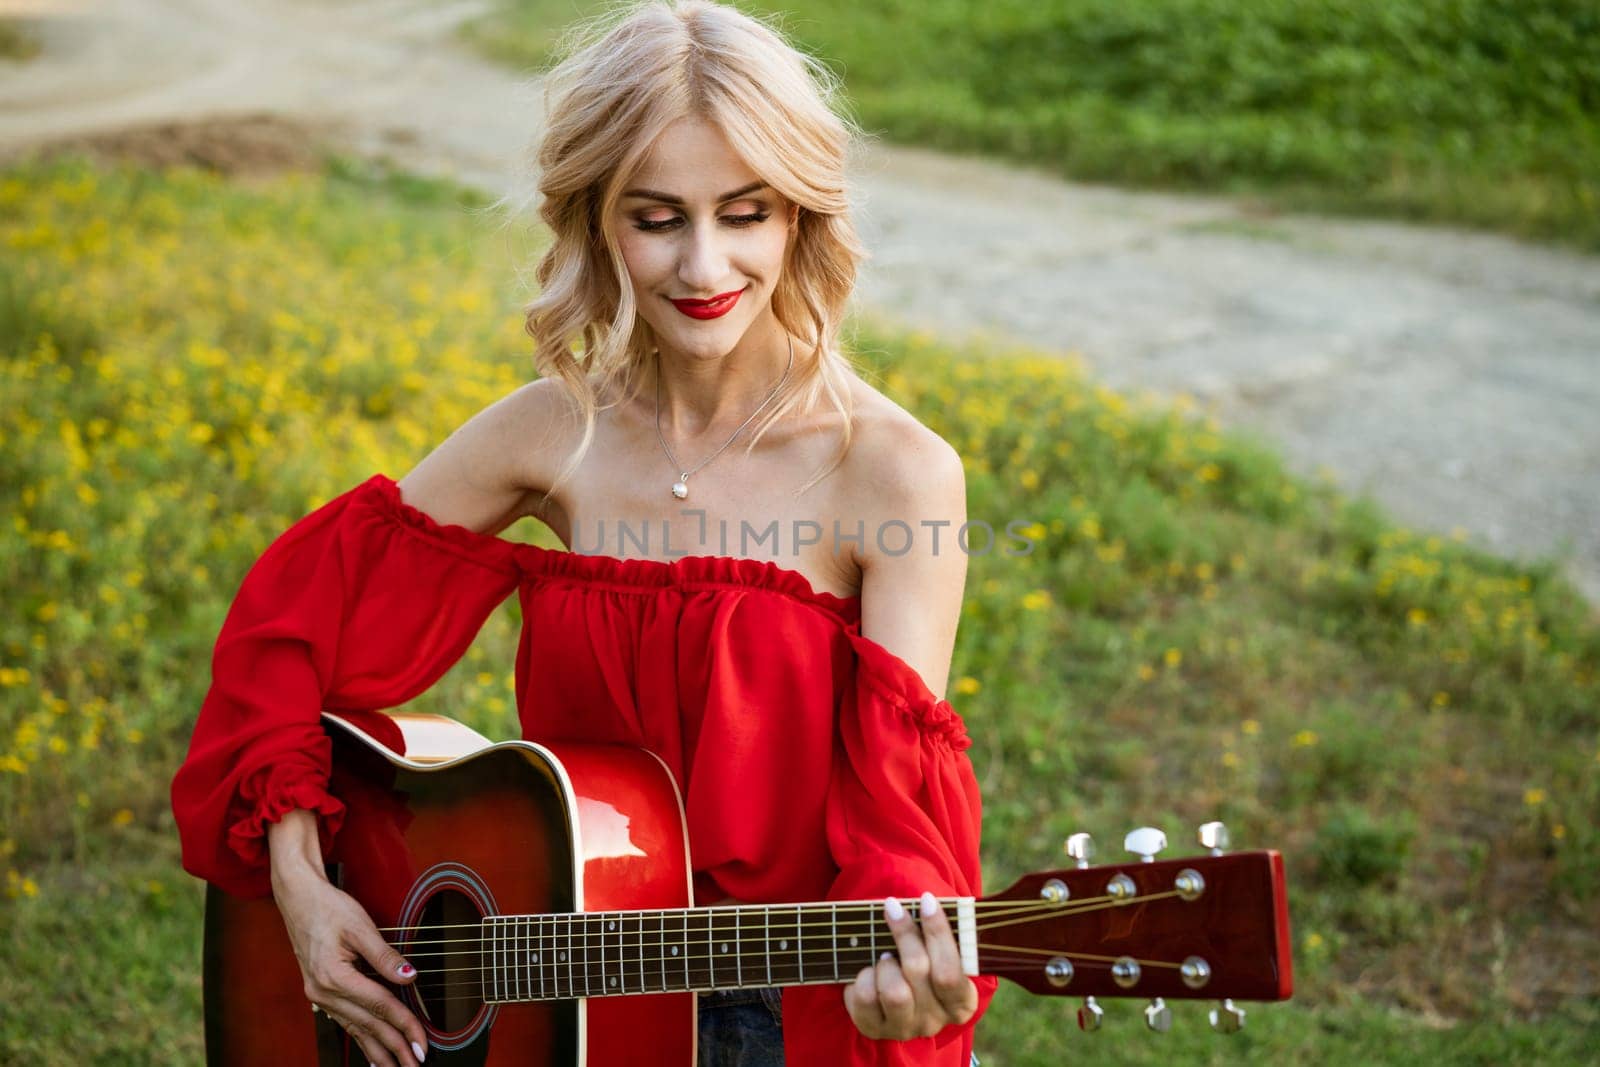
(1454, 376)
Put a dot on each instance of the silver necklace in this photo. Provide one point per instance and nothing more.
(680, 488)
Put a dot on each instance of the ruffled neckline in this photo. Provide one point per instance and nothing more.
(886, 671)
(595, 569)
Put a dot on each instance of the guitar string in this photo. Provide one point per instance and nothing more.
(516, 971)
(1030, 911)
(812, 912)
(518, 951)
(515, 933)
(588, 978)
(1002, 956)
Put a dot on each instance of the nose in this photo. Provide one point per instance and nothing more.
(702, 260)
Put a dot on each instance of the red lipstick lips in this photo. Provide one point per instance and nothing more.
(714, 308)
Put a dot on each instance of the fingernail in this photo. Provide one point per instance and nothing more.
(405, 970)
(895, 910)
(929, 905)
(419, 1052)
(886, 957)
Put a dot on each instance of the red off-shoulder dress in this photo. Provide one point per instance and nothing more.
(814, 763)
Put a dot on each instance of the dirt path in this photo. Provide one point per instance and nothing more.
(1455, 376)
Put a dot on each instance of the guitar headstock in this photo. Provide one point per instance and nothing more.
(1213, 926)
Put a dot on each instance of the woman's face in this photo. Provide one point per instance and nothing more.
(695, 222)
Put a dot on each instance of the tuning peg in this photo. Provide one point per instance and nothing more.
(1145, 842)
(1090, 1015)
(1227, 1018)
(1214, 836)
(1081, 848)
(1158, 1016)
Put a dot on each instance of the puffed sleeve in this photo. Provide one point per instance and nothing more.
(360, 605)
(903, 816)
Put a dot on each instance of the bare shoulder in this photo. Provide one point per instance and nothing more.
(898, 463)
(908, 486)
(494, 468)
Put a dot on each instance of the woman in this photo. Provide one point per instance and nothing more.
(692, 174)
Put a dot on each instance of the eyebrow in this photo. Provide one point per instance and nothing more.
(668, 198)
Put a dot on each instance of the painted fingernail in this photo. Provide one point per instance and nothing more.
(929, 905)
(405, 970)
(893, 907)
(418, 1051)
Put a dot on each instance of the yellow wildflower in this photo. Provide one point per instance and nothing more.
(122, 818)
(1533, 797)
(1250, 727)
(1037, 600)
(967, 685)
(1305, 739)
(1172, 657)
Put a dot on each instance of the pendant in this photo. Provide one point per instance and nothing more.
(680, 488)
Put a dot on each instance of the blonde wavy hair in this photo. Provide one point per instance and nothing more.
(627, 74)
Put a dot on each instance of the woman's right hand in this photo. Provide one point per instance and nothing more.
(330, 931)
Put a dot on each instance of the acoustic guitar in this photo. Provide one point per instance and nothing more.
(544, 894)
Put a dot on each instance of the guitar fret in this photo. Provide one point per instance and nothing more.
(738, 950)
(525, 963)
(766, 938)
(619, 981)
(530, 941)
(588, 974)
(834, 909)
(490, 930)
(641, 943)
(549, 939)
(567, 957)
(661, 938)
(512, 988)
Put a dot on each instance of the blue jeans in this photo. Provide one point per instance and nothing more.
(744, 1028)
(741, 1028)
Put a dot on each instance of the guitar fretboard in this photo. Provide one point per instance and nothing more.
(590, 954)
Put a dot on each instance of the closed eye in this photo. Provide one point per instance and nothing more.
(736, 221)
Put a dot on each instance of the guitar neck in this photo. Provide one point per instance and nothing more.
(593, 954)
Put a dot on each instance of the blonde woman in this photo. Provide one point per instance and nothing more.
(692, 174)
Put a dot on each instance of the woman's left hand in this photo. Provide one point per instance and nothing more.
(921, 993)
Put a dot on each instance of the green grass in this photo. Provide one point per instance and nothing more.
(186, 366)
(1476, 112)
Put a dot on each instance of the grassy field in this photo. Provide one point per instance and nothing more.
(188, 364)
(1480, 112)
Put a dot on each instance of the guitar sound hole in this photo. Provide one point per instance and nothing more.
(449, 985)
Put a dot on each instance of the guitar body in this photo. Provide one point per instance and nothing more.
(456, 829)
